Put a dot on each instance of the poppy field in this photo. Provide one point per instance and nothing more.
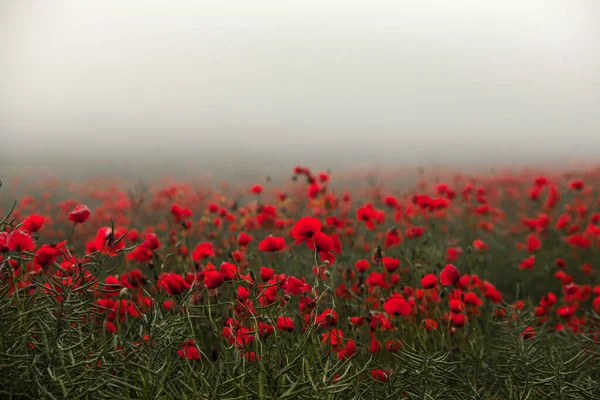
(314, 285)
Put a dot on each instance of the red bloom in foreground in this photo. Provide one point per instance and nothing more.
(320, 242)
(20, 241)
(397, 306)
(33, 223)
(80, 214)
(272, 244)
(449, 275)
(285, 324)
(189, 350)
(3, 242)
(305, 228)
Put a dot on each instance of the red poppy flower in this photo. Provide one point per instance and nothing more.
(361, 265)
(380, 375)
(527, 263)
(305, 228)
(141, 254)
(480, 245)
(202, 251)
(266, 274)
(151, 241)
(294, 286)
(110, 242)
(19, 240)
(449, 275)
(366, 214)
(180, 213)
(189, 350)
(390, 264)
(272, 244)
(80, 214)
(173, 284)
(285, 324)
(320, 242)
(377, 279)
(228, 270)
(528, 333)
(33, 223)
(396, 305)
(576, 184)
(430, 324)
(348, 351)
(213, 279)
(244, 239)
(3, 242)
(256, 189)
(429, 281)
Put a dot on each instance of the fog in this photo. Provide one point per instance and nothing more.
(245, 85)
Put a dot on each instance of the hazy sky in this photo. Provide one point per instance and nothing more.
(323, 81)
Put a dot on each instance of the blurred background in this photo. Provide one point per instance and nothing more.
(234, 87)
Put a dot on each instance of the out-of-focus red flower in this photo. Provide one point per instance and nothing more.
(480, 245)
(151, 241)
(256, 189)
(180, 213)
(430, 324)
(272, 244)
(390, 264)
(189, 350)
(528, 333)
(380, 375)
(33, 223)
(244, 239)
(79, 214)
(361, 265)
(527, 263)
(202, 251)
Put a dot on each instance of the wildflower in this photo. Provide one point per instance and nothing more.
(305, 228)
(79, 214)
(272, 244)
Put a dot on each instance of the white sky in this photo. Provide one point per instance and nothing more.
(375, 80)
